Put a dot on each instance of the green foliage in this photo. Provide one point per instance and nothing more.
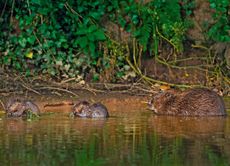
(158, 15)
(113, 66)
(64, 39)
(87, 37)
(56, 33)
(30, 115)
(220, 30)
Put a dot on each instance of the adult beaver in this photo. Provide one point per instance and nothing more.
(191, 102)
(84, 109)
(16, 107)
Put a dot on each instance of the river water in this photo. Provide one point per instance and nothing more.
(131, 136)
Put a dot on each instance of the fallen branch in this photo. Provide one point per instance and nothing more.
(3, 106)
(59, 89)
(151, 80)
(30, 89)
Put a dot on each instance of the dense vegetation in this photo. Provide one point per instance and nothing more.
(97, 39)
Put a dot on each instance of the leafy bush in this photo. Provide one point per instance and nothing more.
(69, 39)
(220, 31)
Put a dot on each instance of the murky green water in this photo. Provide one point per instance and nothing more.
(129, 137)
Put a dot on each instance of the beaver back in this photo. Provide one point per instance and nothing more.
(192, 102)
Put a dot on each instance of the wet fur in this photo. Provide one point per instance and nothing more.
(192, 102)
(17, 107)
(84, 109)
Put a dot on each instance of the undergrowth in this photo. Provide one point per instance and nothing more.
(66, 39)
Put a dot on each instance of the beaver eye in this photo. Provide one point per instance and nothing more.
(168, 94)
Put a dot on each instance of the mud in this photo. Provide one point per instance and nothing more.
(63, 104)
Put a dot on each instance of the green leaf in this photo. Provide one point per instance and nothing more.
(31, 39)
(95, 15)
(95, 77)
(213, 5)
(92, 48)
(83, 41)
(91, 37)
(22, 42)
(38, 2)
(18, 66)
(99, 35)
(92, 28)
(81, 31)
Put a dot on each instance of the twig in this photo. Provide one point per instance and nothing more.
(2, 104)
(109, 86)
(163, 37)
(204, 48)
(150, 80)
(4, 8)
(60, 89)
(22, 82)
(68, 80)
(11, 12)
(198, 67)
(93, 90)
(122, 88)
(30, 89)
(79, 86)
(28, 3)
(187, 59)
(72, 10)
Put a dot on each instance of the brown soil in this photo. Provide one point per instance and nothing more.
(47, 92)
(51, 96)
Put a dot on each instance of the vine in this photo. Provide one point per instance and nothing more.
(70, 40)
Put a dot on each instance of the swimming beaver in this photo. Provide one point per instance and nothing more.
(192, 102)
(17, 107)
(84, 109)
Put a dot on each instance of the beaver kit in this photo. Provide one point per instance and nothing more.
(191, 102)
(84, 109)
(17, 107)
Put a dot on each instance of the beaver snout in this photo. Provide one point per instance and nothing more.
(9, 114)
(16, 107)
(151, 106)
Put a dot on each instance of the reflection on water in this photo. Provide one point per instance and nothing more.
(127, 138)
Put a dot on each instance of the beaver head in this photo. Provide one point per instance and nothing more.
(82, 109)
(161, 101)
(13, 106)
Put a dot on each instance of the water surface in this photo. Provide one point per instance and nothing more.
(131, 136)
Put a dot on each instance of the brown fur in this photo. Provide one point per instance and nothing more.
(17, 107)
(84, 109)
(192, 102)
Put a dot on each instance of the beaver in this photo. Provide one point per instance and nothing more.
(191, 102)
(84, 109)
(16, 107)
